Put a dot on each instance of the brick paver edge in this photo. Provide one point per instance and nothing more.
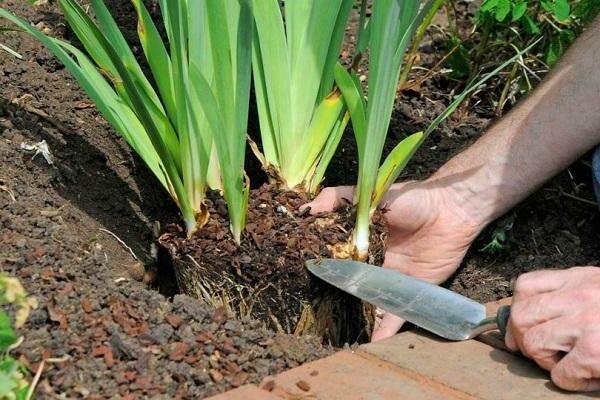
(491, 339)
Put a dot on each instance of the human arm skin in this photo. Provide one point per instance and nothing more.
(546, 132)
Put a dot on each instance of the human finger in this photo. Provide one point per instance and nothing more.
(330, 199)
(576, 372)
(531, 311)
(538, 282)
(388, 326)
(546, 343)
(543, 281)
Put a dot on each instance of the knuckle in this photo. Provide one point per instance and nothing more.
(590, 345)
(533, 342)
(524, 283)
(586, 270)
(587, 294)
(518, 318)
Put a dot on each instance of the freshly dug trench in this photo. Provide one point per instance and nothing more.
(265, 277)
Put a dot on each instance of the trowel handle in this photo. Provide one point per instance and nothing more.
(502, 319)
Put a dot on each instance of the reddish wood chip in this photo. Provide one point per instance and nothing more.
(86, 305)
(133, 312)
(39, 251)
(26, 272)
(109, 359)
(46, 354)
(106, 352)
(142, 383)
(47, 273)
(174, 320)
(57, 316)
(191, 359)
(227, 347)
(231, 367)
(204, 337)
(66, 290)
(303, 385)
(178, 351)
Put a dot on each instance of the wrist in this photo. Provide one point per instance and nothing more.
(473, 196)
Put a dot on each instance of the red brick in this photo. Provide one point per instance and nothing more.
(248, 392)
(351, 377)
(492, 307)
(470, 367)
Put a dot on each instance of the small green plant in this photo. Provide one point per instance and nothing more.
(14, 384)
(501, 26)
(391, 29)
(558, 20)
(302, 115)
(189, 128)
(498, 240)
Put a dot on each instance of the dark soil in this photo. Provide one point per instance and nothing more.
(117, 337)
(265, 275)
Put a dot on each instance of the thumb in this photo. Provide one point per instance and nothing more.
(329, 199)
(387, 327)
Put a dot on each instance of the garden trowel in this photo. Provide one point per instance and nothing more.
(438, 310)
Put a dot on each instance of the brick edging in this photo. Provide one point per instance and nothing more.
(356, 366)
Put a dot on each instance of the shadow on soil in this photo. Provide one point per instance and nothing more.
(83, 175)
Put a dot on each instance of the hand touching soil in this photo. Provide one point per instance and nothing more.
(429, 234)
(555, 320)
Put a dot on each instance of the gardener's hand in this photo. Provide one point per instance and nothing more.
(429, 234)
(555, 320)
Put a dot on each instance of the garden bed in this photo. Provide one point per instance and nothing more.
(115, 335)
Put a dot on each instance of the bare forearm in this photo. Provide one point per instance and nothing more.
(548, 131)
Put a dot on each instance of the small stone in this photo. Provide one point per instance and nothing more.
(136, 270)
(239, 379)
(161, 333)
(215, 375)
(303, 385)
